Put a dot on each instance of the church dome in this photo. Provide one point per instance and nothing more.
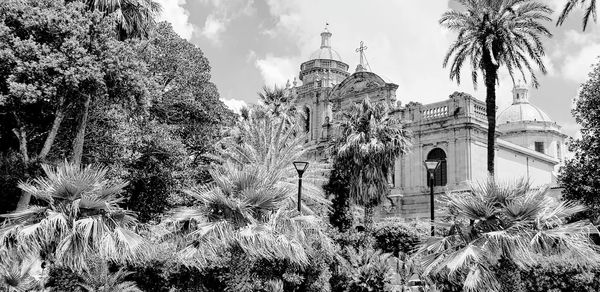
(521, 110)
(326, 53)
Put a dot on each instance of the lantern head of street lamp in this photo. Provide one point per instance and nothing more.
(301, 167)
(431, 165)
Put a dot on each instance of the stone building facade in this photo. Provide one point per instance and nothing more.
(529, 144)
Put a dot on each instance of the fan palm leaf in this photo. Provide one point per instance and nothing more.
(250, 205)
(135, 18)
(80, 216)
(496, 221)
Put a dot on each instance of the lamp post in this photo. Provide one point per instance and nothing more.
(301, 167)
(431, 166)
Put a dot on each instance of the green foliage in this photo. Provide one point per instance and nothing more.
(135, 18)
(495, 34)
(500, 226)
(363, 270)
(396, 238)
(250, 205)
(99, 278)
(590, 11)
(61, 279)
(338, 187)
(561, 275)
(580, 176)
(370, 139)
(80, 217)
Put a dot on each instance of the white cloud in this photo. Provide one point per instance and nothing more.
(223, 12)
(579, 51)
(174, 12)
(234, 104)
(576, 67)
(277, 70)
(213, 28)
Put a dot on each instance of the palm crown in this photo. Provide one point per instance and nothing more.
(372, 139)
(492, 34)
(134, 17)
(494, 222)
(590, 11)
(497, 33)
(249, 207)
(80, 216)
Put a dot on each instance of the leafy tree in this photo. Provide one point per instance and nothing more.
(81, 217)
(135, 18)
(189, 102)
(494, 229)
(59, 62)
(590, 11)
(580, 176)
(494, 34)
(371, 139)
(338, 187)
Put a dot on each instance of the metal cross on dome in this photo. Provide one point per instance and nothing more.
(361, 50)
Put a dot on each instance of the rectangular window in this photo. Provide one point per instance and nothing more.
(539, 147)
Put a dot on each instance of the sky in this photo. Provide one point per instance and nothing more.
(252, 43)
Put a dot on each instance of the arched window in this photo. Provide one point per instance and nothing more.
(307, 121)
(440, 177)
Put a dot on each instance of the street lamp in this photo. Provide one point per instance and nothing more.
(301, 167)
(431, 166)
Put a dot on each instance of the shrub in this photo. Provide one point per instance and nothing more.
(396, 238)
(63, 280)
(561, 274)
(360, 270)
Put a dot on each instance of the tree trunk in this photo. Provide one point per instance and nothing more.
(490, 104)
(22, 137)
(58, 118)
(80, 136)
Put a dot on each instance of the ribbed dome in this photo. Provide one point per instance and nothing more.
(520, 112)
(326, 53)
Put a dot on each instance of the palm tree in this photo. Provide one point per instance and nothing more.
(590, 11)
(79, 216)
(15, 274)
(500, 226)
(492, 34)
(281, 104)
(135, 18)
(249, 208)
(371, 138)
(99, 279)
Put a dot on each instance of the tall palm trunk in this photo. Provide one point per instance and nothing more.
(491, 74)
(80, 137)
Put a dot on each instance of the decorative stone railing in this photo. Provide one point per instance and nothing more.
(435, 112)
(459, 105)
